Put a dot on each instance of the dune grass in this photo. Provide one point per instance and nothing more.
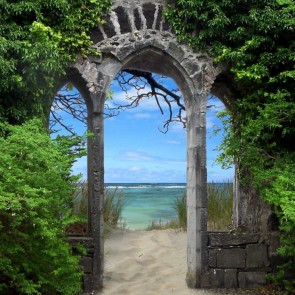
(160, 225)
(220, 200)
(220, 203)
(114, 203)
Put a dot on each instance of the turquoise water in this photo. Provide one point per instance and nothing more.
(147, 202)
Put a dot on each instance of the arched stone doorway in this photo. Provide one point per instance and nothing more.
(145, 43)
(156, 52)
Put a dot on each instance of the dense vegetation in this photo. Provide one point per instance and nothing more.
(35, 206)
(38, 41)
(256, 41)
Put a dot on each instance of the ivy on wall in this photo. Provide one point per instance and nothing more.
(38, 40)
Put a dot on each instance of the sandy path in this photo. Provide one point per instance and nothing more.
(147, 263)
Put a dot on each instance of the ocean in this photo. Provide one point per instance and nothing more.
(147, 202)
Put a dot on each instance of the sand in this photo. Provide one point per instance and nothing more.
(147, 263)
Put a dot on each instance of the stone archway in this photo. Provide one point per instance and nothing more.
(145, 43)
(136, 36)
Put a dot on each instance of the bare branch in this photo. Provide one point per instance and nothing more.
(146, 85)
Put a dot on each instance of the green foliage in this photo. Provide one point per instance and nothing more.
(38, 39)
(278, 188)
(256, 40)
(35, 199)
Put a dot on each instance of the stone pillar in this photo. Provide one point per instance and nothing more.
(196, 191)
(96, 179)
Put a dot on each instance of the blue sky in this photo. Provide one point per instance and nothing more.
(136, 151)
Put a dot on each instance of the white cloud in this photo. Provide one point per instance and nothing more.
(173, 142)
(136, 156)
(135, 168)
(122, 175)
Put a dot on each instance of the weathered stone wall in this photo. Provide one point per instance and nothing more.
(240, 260)
(131, 17)
(235, 260)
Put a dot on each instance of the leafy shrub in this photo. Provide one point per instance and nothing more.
(277, 186)
(35, 197)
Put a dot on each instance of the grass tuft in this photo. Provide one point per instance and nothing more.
(220, 202)
(114, 203)
(161, 225)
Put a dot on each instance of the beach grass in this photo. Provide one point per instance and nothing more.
(162, 225)
(180, 207)
(220, 202)
(114, 203)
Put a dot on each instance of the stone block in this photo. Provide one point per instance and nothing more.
(191, 66)
(124, 51)
(175, 50)
(231, 258)
(87, 264)
(204, 247)
(228, 239)
(87, 283)
(212, 260)
(217, 278)
(230, 278)
(205, 281)
(256, 256)
(251, 279)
